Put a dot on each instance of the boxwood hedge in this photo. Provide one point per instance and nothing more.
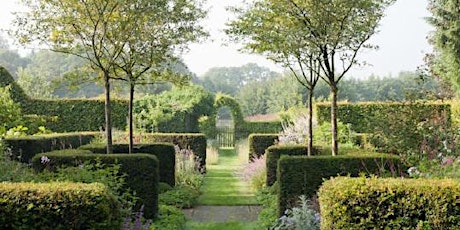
(390, 203)
(163, 151)
(259, 142)
(58, 205)
(141, 171)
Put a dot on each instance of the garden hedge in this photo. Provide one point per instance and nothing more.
(58, 205)
(396, 135)
(163, 151)
(372, 203)
(363, 117)
(72, 115)
(17, 93)
(302, 175)
(259, 142)
(24, 148)
(141, 171)
(273, 154)
(193, 141)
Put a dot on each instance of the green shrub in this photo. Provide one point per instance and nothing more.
(55, 206)
(174, 111)
(180, 197)
(10, 111)
(163, 151)
(196, 142)
(141, 171)
(170, 217)
(259, 142)
(24, 148)
(273, 154)
(267, 197)
(301, 175)
(372, 203)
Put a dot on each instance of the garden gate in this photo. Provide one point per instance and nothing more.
(225, 134)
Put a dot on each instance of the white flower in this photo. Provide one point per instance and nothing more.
(413, 171)
(44, 159)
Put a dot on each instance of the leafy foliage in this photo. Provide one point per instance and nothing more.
(10, 111)
(362, 203)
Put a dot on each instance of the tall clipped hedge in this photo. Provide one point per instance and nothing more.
(163, 151)
(193, 141)
(273, 154)
(71, 115)
(371, 203)
(261, 127)
(366, 115)
(393, 126)
(301, 175)
(24, 148)
(58, 206)
(141, 171)
(259, 142)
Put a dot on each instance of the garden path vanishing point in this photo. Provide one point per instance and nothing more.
(226, 197)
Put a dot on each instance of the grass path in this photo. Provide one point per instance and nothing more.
(222, 185)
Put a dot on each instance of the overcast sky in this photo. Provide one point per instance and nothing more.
(402, 40)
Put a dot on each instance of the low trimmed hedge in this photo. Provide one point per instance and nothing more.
(141, 171)
(372, 203)
(58, 206)
(259, 142)
(24, 148)
(302, 175)
(193, 141)
(163, 151)
(273, 154)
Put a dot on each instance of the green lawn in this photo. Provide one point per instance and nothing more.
(222, 185)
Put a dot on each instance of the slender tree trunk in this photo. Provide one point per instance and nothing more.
(130, 118)
(335, 145)
(108, 111)
(310, 123)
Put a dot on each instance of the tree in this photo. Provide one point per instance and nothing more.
(333, 32)
(444, 62)
(100, 31)
(150, 40)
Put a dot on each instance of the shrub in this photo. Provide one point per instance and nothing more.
(180, 197)
(24, 148)
(187, 172)
(299, 217)
(163, 151)
(372, 203)
(10, 111)
(170, 217)
(267, 197)
(54, 206)
(141, 171)
(254, 173)
(174, 111)
(273, 154)
(249, 127)
(301, 175)
(259, 142)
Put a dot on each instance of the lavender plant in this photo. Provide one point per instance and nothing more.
(187, 165)
(254, 173)
(138, 223)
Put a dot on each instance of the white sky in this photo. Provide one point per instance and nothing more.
(402, 40)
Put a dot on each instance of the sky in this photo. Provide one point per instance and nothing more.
(401, 40)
